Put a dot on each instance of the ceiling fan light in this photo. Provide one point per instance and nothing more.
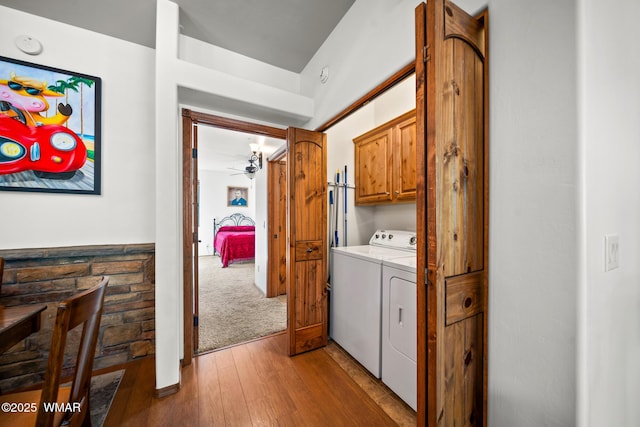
(250, 175)
(256, 160)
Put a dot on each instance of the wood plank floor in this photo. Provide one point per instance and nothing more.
(253, 384)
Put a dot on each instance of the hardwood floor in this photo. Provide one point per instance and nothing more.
(253, 384)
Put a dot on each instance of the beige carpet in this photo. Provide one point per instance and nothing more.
(231, 308)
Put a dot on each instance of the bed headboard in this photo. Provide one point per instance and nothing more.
(233, 219)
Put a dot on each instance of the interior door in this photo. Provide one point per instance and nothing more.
(452, 223)
(307, 239)
(195, 191)
(277, 282)
(190, 233)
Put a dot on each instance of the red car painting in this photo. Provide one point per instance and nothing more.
(50, 151)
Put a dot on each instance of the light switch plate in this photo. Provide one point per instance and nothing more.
(611, 252)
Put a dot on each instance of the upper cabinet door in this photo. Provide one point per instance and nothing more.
(385, 162)
(404, 152)
(307, 237)
(373, 164)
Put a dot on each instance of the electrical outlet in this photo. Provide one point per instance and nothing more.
(611, 252)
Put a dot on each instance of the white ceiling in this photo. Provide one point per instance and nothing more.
(284, 33)
(229, 151)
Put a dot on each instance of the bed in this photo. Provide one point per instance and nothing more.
(234, 238)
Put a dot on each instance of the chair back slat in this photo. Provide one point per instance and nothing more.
(1, 272)
(83, 309)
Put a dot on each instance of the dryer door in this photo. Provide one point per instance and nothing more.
(399, 329)
(403, 316)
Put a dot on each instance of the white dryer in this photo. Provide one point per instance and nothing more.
(399, 328)
(355, 308)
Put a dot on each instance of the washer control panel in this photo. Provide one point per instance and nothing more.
(398, 239)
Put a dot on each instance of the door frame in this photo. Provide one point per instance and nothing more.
(193, 118)
(190, 121)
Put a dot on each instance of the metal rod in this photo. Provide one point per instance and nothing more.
(331, 207)
(345, 206)
(334, 184)
(335, 234)
(330, 238)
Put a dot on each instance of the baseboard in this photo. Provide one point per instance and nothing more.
(169, 390)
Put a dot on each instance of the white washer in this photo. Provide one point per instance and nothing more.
(399, 328)
(355, 319)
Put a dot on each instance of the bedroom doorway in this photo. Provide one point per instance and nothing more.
(227, 287)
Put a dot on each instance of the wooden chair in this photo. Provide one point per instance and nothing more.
(84, 309)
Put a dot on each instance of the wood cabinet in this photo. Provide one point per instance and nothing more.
(385, 162)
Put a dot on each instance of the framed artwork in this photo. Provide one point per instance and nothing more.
(237, 196)
(49, 129)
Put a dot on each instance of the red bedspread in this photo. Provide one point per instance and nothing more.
(235, 243)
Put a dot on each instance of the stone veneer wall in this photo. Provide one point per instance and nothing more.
(50, 275)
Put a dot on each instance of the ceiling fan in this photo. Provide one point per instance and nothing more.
(255, 164)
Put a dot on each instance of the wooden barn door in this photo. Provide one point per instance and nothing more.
(307, 238)
(452, 193)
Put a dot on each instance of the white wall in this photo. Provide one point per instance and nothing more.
(213, 187)
(169, 283)
(216, 58)
(546, 278)
(533, 194)
(124, 212)
(261, 217)
(213, 203)
(226, 81)
(533, 241)
(609, 88)
(258, 203)
(535, 207)
(372, 41)
(201, 84)
(362, 221)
